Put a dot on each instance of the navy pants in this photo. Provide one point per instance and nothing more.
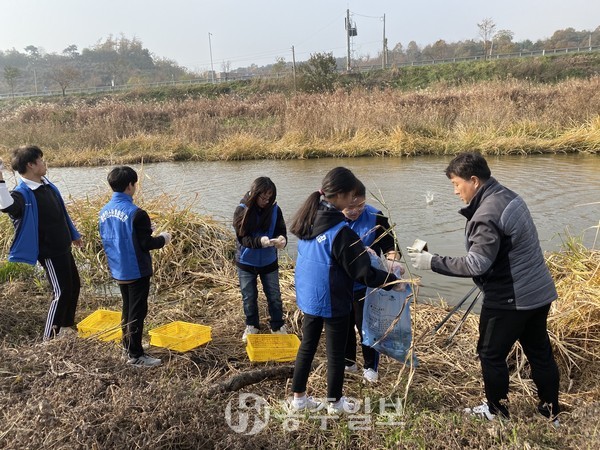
(135, 309)
(498, 331)
(63, 276)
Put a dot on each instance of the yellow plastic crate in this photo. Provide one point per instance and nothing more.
(103, 324)
(272, 347)
(180, 336)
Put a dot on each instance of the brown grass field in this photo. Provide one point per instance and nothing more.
(76, 393)
(499, 117)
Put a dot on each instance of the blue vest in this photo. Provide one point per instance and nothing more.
(323, 288)
(364, 226)
(25, 248)
(260, 257)
(116, 231)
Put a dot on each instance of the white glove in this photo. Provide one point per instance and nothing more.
(266, 242)
(421, 260)
(167, 237)
(279, 242)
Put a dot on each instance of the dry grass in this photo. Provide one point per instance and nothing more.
(78, 393)
(492, 117)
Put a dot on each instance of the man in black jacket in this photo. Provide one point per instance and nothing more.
(506, 262)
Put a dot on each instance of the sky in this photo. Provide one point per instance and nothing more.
(243, 32)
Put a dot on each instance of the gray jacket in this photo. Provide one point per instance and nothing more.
(504, 255)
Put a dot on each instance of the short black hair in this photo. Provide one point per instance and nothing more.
(24, 155)
(121, 177)
(466, 165)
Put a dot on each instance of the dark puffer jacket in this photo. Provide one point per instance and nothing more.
(504, 255)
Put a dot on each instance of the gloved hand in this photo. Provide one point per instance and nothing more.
(265, 242)
(167, 237)
(421, 260)
(279, 242)
(395, 267)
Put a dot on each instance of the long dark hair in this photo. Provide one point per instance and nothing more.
(247, 222)
(337, 181)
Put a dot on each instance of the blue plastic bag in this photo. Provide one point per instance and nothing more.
(380, 310)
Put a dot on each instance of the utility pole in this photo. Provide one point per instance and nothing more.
(384, 51)
(348, 40)
(212, 69)
(294, 67)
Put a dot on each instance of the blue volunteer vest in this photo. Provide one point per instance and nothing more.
(25, 247)
(315, 273)
(364, 226)
(116, 231)
(260, 257)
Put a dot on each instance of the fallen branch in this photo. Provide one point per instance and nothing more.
(241, 380)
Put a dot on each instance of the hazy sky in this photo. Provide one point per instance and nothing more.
(246, 31)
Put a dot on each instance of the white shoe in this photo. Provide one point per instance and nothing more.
(250, 329)
(482, 411)
(144, 361)
(342, 406)
(282, 330)
(305, 402)
(371, 375)
(351, 369)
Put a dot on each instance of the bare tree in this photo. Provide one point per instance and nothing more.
(10, 76)
(64, 77)
(486, 31)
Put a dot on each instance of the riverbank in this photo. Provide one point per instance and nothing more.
(78, 393)
(495, 117)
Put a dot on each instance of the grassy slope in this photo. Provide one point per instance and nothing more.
(527, 105)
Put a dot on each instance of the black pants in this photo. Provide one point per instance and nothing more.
(498, 331)
(370, 355)
(63, 276)
(135, 308)
(336, 334)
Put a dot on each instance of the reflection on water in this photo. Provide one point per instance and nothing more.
(555, 188)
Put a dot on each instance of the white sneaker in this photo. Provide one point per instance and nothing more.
(250, 329)
(482, 411)
(371, 375)
(305, 402)
(144, 361)
(342, 406)
(351, 369)
(282, 330)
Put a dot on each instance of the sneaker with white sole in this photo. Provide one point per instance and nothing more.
(144, 361)
(250, 329)
(282, 330)
(482, 411)
(342, 406)
(301, 403)
(371, 375)
(351, 369)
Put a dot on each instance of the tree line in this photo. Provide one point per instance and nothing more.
(121, 61)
